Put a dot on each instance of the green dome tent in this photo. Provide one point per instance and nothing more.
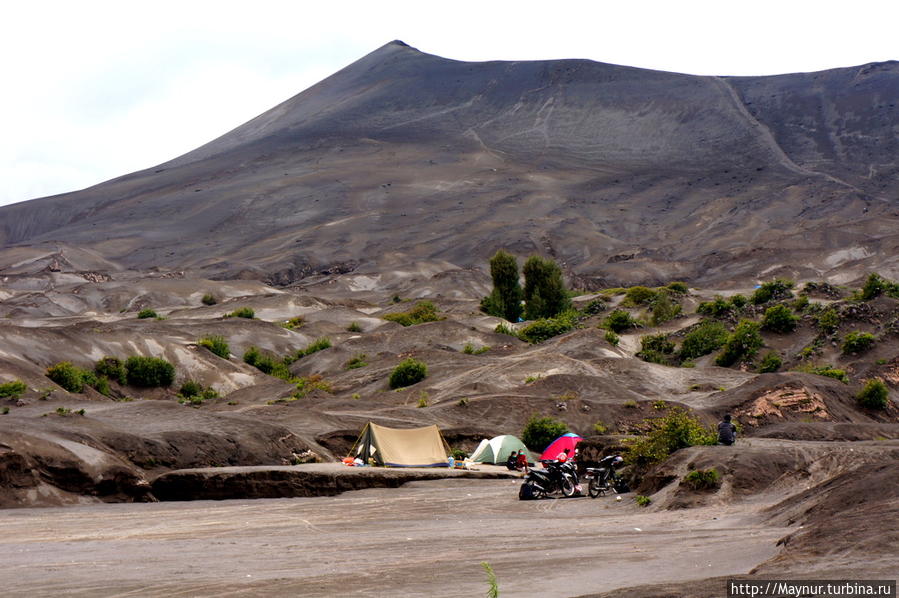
(497, 450)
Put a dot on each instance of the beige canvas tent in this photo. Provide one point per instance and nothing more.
(413, 447)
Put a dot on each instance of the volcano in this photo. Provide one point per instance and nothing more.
(623, 175)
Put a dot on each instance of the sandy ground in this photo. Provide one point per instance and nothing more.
(424, 539)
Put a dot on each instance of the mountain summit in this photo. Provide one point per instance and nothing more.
(624, 175)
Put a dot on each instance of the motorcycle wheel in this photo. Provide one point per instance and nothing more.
(568, 488)
(594, 490)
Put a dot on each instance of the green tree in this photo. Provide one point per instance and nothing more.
(538, 432)
(779, 318)
(874, 395)
(504, 301)
(545, 295)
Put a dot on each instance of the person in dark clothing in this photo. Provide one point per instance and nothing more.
(512, 461)
(727, 432)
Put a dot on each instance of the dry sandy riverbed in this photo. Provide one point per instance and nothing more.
(423, 539)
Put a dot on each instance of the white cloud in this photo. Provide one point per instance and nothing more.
(98, 89)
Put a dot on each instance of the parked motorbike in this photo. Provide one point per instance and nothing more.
(604, 479)
(556, 477)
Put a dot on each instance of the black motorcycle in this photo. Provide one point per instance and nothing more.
(556, 477)
(604, 479)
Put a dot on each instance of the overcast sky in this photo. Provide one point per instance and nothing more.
(93, 89)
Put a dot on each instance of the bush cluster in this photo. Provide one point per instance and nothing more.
(742, 343)
(356, 362)
(538, 432)
(857, 342)
(242, 312)
(676, 430)
(146, 313)
(319, 344)
(619, 320)
(294, 323)
(149, 371)
(266, 363)
(873, 395)
(112, 368)
(407, 373)
(828, 320)
(702, 479)
(779, 318)
(773, 290)
(209, 299)
(706, 337)
(424, 311)
(655, 348)
(663, 308)
(12, 389)
(546, 328)
(771, 362)
(877, 285)
(192, 392)
(217, 344)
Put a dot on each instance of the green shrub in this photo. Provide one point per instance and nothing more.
(356, 362)
(599, 427)
(801, 303)
(676, 430)
(112, 368)
(319, 344)
(831, 372)
(98, 383)
(545, 328)
(4, 411)
(67, 376)
(308, 384)
(502, 328)
(424, 311)
(857, 342)
(12, 389)
(612, 338)
(594, 307)
(680, 288)
(294, 323)
(738, 301)
(190, 388)
(242, 312)
(424, 400)
(874, 286)
(706, 337)
(354, 327)
(771, 362)
(146, 313)
(772, 290)
(209, 299)
(619, 320)
(828, 320)
(642, 501)
(663, 308)
(702, 479)
(874, 394)
(779, 318)
(265, 363)
(538, 432)
(149, 371)
(407, 373)
(639, 295)
(470, 349)
(655, 348)
(217, 344)
(743, 343)
(719, 307)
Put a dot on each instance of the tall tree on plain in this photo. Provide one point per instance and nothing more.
(545, 295)
(504, 301)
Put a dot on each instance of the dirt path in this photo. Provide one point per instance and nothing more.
(424, 539)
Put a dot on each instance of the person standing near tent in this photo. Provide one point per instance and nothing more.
(522, 463)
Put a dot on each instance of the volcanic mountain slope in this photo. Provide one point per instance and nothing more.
(622, 174)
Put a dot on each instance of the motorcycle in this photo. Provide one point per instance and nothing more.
(556, 477)
(604, 479)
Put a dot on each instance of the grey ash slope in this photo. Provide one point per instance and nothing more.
(623, 174)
